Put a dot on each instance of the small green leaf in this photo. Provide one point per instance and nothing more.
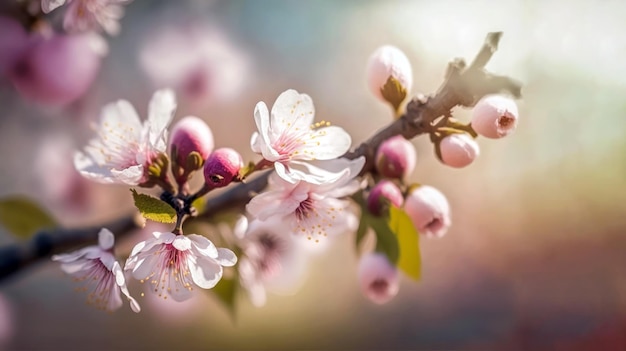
(226, 292)
(386, 240)
(410, 261)
(247, 170)
(23, 217)
(198, 204)
(153, 209)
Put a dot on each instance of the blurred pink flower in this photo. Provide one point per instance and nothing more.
(13, 42)
(458, 150)
(7, 327)
(271, 260)
(102, 274)
(89, 15)
(125, 147)
(172, 264)
(289, 139)
(429, 211)
(382, 195)
(495, 116)
(197, 61)
(378, 278)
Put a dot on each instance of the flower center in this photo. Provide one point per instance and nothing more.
(505, 122)
(100, 284)
(171, 272)
(379, 286)
(314, 217)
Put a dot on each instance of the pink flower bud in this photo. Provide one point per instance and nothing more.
(429, 211)
(222, 167)
(13, 42)
(56, 70)
(378, 278)
(384, 193)
(495, 116)
(188, 135)
(458, 150)
(396, 158)
(388, 61)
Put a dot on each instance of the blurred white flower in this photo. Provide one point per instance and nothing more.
(289, 139)
(125, 147)
(172, 264)
(89, 15)
(307, 208)
(97, 268)
(271, 260)
(197, 61)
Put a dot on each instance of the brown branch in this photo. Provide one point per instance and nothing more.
(463, 86)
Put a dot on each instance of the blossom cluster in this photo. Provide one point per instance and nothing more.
(314, 191)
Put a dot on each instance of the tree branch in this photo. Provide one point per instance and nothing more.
(463, 86)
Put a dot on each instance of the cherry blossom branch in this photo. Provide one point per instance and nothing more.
(463, 86)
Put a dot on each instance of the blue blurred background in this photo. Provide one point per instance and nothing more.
(535, 258)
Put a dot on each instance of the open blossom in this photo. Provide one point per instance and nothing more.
(288, 138)
(97, 268)
(89, 15)
(271, 260)
(310, 209)
(125, 147)
(173, 264)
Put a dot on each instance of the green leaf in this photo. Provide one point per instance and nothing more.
(153, 209)
(23, 217)
(226, 292)
(410, 261)
(198, 204)
(362, 230)
(386, 240)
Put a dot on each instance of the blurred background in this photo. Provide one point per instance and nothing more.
(536, 256)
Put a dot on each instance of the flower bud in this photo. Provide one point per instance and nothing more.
(191, 143)
(495, 116)
(56, 70)
(389, 75)
(13, 42)
(382, 194)
(429, 211)
(222, 167)
(378, 278)
(458, 150)
(396, 158)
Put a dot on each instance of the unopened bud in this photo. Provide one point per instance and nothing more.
(378, 278)
(191, 143)
(383, 194)
(222, 167)
(458, 150)
(396, 158)
(389, 75)
(495, 116)
(429, 211)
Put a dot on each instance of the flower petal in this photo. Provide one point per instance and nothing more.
(226, 257)
(275, 203)
(326, 143)
(203, 245)
(78, 254)
(306, 171)
(291, 112)
(181, 243)
(160, 113)
(89, 168)
(131, 175)
(205, 272)
(106, 239)
(49, 5)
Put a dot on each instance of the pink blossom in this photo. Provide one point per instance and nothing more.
(314, 210)
(174, 264)
(89, 15)
(378, 278)
(13, 42)
(388, 61)
(429, 211)
(495, 116)
(101, 273)
(458, 150)
(396, 158)
(383, 194)
(290, 140)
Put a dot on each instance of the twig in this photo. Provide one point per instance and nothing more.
(463, 86)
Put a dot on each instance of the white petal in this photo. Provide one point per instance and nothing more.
(275, 203)
(291, 112)
(50, 5)
(262, 120)
(89, 169)
(226, 257)
(131, 175)
(203, 246)
(205, 272)
(308, 172)
(120, 280)
(78, 254)
(106, 239)
(255, 142)
(181, 243)
(241, 226)
(160, 114)
(326, 143)
(76, 266)
(143, 264)
(118, 115)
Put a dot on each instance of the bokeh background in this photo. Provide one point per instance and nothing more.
(536, 257)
